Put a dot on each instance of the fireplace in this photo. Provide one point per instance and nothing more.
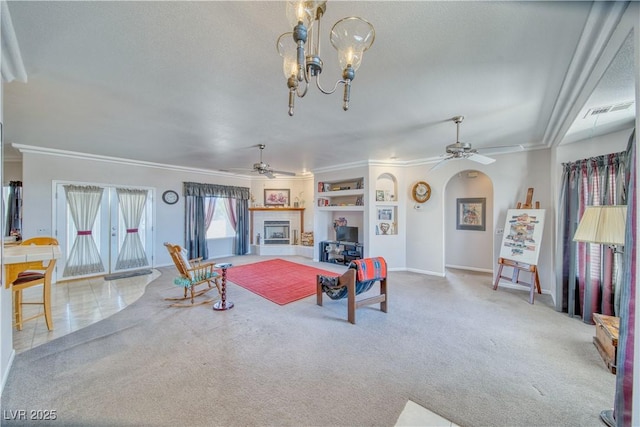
(276, 232)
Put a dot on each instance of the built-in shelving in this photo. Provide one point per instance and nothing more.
(386, 205)
(338, 195)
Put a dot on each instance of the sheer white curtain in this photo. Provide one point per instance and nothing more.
(231, 211)
(209, 210)
(132, 203)
(83, 202)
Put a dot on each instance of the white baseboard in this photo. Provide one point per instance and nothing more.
(429, 273)
(6, 372)
(465, 267)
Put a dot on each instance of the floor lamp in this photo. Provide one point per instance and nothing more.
(604, 225)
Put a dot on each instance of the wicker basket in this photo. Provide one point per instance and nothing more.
(306, 239)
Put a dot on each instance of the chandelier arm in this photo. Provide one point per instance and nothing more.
(304, 92)
(318, 32)
(328, 92)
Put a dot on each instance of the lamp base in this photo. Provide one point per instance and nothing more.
(607, 417)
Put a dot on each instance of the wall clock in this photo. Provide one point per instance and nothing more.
(170, 197)
(421, 192)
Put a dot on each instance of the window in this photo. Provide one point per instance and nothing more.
(220, 226)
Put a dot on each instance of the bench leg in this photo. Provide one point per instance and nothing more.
(318, 292)
(351, 302)
(383, 291)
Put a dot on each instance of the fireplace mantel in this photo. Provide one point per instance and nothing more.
(274, 209)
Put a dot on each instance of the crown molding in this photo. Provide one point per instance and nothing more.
(107, 159)
(593, 54)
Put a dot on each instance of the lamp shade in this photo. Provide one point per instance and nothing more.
(302, 11)
(352, 37)
(602, 224)
(287, 49)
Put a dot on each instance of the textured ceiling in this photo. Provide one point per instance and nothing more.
(199, 84)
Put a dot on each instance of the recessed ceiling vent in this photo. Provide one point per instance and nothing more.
(608, 109)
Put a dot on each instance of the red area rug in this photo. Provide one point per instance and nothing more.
(277, 280)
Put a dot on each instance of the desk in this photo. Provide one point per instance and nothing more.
(17, 259)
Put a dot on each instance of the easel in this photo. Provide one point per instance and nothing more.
(520, 266)
(528, 204)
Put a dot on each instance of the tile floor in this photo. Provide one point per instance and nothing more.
(76, 304)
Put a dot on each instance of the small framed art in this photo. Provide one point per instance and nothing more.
(471, 214)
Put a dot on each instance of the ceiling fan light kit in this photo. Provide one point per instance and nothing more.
(264, 169)
(300, 48)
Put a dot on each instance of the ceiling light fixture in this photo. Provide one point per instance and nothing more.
(350, 36)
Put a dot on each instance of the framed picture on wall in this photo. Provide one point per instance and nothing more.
(385, 214)
(471, 214)
(276, 197)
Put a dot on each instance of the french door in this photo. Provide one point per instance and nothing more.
(102, 229)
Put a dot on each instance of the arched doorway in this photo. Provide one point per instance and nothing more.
(468, 213)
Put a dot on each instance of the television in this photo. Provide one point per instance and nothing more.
(347, 234)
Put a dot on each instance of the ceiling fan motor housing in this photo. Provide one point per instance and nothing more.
(459, 149)
(260, 167)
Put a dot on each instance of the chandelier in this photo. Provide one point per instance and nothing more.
(350, 36)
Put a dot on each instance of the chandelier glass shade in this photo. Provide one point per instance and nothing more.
(300, 49)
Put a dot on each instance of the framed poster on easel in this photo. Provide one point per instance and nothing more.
(520, 247)
(522, 235)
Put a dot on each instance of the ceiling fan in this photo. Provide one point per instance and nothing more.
(264, 169)
(463, 150)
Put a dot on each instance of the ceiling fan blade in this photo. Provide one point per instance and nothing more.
(283, 173)
(440, 163)
(502, 149)
(481, 159)
(268, 174)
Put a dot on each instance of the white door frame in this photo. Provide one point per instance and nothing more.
(109, 237)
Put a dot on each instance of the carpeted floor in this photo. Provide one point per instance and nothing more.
(475, 356)
(277, 280)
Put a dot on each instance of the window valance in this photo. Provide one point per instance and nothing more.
(215, 190)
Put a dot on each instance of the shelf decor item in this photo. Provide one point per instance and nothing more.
(471, 214)
(385, 214)
(276, 197)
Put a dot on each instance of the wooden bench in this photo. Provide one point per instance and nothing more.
(359, 278)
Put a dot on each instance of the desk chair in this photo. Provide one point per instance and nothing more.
(37, 276)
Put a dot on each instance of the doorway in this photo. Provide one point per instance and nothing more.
(469, 246)
(102, 229)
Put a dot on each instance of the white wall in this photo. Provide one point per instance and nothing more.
(511, 175)
(6, 328)
(301, 188)
(41, 169)
(11, 171)
(468, 249)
